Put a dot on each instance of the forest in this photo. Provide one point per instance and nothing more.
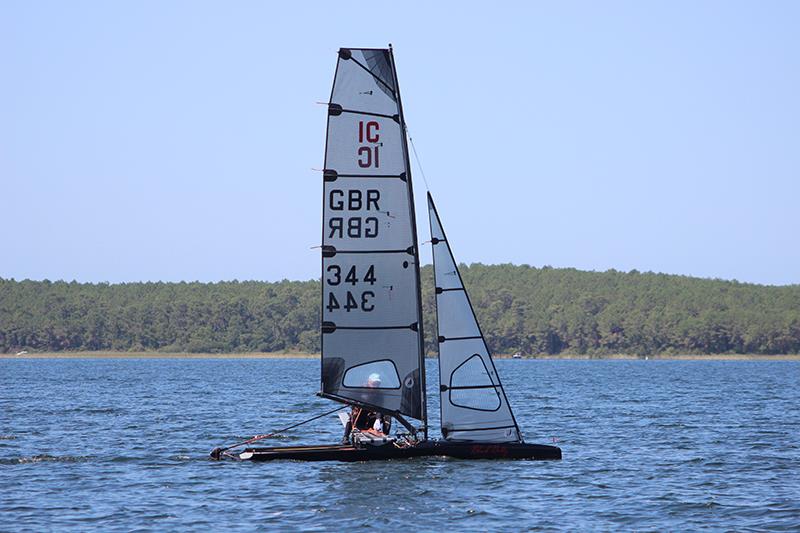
(520, 308)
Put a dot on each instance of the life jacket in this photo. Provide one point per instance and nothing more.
(363, 419)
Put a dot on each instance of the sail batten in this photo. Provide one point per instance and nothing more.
(473, 402)
(371, 332)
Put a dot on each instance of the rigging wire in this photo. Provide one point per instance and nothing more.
(217, 452)
(416, 158)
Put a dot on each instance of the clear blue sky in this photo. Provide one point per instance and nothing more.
(175, 140)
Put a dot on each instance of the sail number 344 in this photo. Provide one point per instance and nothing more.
(352, 299)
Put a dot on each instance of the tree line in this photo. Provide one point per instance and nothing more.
(520, 308)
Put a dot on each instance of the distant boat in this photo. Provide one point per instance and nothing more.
(517, 355)
(373, 350)
(23, 352)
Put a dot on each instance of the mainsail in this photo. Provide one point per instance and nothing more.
(473, 402)
(372, 349)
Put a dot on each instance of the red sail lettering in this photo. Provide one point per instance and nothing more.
(372, 131)
(364, 157)
(372, 128)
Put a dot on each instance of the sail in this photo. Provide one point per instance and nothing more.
(371, 313)
(473, 402)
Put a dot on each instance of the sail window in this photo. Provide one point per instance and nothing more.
(472, 388)
(374, 375)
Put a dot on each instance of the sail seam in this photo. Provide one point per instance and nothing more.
(440, 290)
(445, 388)
(368, 113)
(374, 327)
(444, 339)
(481, 429)
(372, 251)
(396, 176)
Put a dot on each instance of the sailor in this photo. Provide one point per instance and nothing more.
(366, 421)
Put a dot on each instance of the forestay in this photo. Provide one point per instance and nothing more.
(371, 313)
(473, 402)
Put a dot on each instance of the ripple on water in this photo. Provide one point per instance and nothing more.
(667, 446)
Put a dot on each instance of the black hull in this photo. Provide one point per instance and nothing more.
(460, 450)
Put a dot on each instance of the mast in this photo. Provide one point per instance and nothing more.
(423, 385)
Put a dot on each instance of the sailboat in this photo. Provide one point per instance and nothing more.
(373, 353)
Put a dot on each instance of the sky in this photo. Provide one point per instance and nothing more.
(146, 141)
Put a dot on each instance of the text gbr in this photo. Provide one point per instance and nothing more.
(355, 227)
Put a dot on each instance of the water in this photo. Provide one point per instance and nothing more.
(118, 445)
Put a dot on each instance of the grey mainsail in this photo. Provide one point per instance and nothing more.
(473, 403)
(371, 313)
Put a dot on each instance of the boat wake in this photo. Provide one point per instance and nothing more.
(44, 458)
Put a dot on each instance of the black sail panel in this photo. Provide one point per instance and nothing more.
(473, 403)
(371, 324)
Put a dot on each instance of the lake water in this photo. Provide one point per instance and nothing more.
(118, 445)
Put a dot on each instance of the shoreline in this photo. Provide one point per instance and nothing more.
(159, 355)
(294, 355)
